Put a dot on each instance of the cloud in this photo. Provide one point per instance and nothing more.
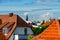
(46, 15)
(29, 9)
(58, 18)
(48, 2)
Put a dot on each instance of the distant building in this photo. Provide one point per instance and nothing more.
(13, 27)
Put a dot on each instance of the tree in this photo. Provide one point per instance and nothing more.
(39, 30)
(30, 37)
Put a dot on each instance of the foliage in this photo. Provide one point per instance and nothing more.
(30, 37)
(38, 30)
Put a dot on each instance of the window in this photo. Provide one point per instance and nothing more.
(25, 30)
(5, 30)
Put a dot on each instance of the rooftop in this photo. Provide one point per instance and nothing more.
(7, 21)
(51, 33)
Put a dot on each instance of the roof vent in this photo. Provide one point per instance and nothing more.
(10, 14)
(0, 21)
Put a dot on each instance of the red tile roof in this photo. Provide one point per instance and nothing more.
(11, 31)
(2, 37)
(51, 33)
(15, 20)
(9, 24)
(48, 22)
(2, 25)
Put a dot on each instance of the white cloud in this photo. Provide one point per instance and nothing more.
(46, 15)
(58, 17)
(26, 13)
(47, 2)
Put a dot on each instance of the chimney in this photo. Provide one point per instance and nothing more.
(26, 14)
(26, 17)
(0, 21)
(10, 14)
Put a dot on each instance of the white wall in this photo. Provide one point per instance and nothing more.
(29, 31)
(11, 38)
(16, 37)
(20, 30)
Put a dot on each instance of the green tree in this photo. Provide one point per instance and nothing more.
(39, 30)
(30, 37)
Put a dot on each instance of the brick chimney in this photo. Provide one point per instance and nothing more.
(10, 14)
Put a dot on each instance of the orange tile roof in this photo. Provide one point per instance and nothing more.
(2, 25)
(6, 37)
(6, 18)
(15, 20)
(11, 31)
(2, 37)
(9, 24)
(48, 22)
(51, 33)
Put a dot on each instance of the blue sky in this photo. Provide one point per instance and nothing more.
(42, 9)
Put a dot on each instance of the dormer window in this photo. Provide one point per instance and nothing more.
(5, 31)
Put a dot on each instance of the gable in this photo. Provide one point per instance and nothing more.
(22, 23)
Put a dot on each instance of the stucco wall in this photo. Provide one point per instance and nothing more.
(20, 30)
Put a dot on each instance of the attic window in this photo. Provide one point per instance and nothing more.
(0, 21)
(5, 30)
(10, 14)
